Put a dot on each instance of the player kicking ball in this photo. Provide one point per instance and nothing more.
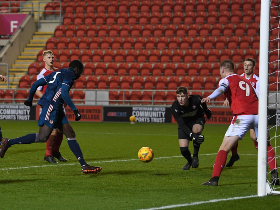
(52, 115)
(188, 111)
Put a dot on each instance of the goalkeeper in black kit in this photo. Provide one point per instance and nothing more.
(188, 111)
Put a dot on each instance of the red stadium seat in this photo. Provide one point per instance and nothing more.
(212, 17)
(70, 7)
(81, 31)
(228, 29)
(92, 31)
(137, 83)
(122, 69)
(103, 82)
(89, 19)
(236, 5)
(221, 42)
(101, 6)
(233, 43)
(170, 98)
(196, 43)
(178, 6)
(236, 17)
(189, 56)
(201, 56)
(248, 5)
(114, 82)
(88, 69)
(134, 6)
(208, 43)
(154, 56)
(133, 18)
(123, 97)
(78, 19)
(224, 5)
(128, 43)
(97, 56)
(224, 17)
(94, 43)
(186, 82)
(205, 69)
(158, 31)
(108, 56)
(111, 69)
(193, 69)
(49, 8)
(51, 43)
(72, 43)
(253, 29)
(189, 18)
(154, 19)
(172, 83)
(185, 43)
(213, 5)
(142, 56)
(24, 82)
(149, 83)
(75, 55)
(169, 69)
(80, 83)
(173, 43)
(8, 96)
(193, 30)
(126, 82)
(123, 6)
(70, 31)
(162, 43)
(145, 69)
(156, 6)
(248, 17)
(169, 31)
(225, 54)
(240, 29)
(135, 97)
(102, 31)
(161, 83)
(59, 31)
(119, 56)
(150, 43)
(245, 42)
(177, 18)
(100, 18)
(167, 6)
(112, 6)
(177, 56)
(205, 30)
(147, 31)
(216, 30)
(105, 43)
(111, 19)
(200, 17)
(131, 56)
(122, 18)
(83, 43)
(116, 43)
(134, 69)
(210, 83)
(33, 69)
(68, 18)
(237, 56)
(80, 7)
(145, 6)
(213, 56)
(143, 19)
(113, 31)
(181, 31)
(136, 31)
(157, 69)
(91, 82)
(146, 97)
(181, 69)
(20, 96)
(64, 56)
(113, 95)
(197, 83)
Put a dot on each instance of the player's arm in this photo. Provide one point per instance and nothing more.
(223, 85)
(33, 89)
(39, 93)
(206, 110)
(195, 136)
(67, 99)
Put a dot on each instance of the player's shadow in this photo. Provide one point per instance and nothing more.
(125, 172)
(105, 158)
(238, 183)
(10, 181)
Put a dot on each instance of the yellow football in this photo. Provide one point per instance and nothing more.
(146, 154)
(132, 119)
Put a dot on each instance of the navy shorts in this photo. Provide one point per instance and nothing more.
(182, 135)
(53, 118)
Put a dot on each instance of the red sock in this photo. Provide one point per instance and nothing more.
(219, 163)
(57, 142)
(271, 158)
(256, 144)
(49, 146)
(234, 149)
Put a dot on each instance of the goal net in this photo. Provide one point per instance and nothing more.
(269, 98)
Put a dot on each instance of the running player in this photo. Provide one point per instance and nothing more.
(53, 115)
(56, 137)
(244, 105)
(188, 111)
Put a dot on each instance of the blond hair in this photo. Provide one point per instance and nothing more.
(47, 52)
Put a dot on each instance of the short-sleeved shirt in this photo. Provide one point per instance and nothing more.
(241, 95)
(42, 74)
(55, 80)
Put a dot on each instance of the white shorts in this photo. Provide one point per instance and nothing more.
(240, 124)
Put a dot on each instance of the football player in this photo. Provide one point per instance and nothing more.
(188, 111)
(53, 115)
(56, 137)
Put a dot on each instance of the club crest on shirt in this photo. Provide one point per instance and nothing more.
(194, 107)
(253, 84)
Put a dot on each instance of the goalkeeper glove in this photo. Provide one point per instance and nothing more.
(208, 113)
(197, 137)
(77, 115)
(28, 103)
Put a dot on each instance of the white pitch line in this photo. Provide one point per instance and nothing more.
(199, 203)
(104, 161)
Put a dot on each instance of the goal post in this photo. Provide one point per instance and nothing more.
(263, 95)
(268, 95)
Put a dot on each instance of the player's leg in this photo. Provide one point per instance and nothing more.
(56, 146)
(75, 148)
(49, 147)
(184, 148)
(197, 128)
(43, 135)
(234, 156)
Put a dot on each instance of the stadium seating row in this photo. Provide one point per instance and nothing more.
(155, 56)
(153, 6)
(152, 43)
(145, 31)
(136, 82)
(166, 18)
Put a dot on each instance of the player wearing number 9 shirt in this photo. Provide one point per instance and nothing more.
(243, 103)
(52, 115)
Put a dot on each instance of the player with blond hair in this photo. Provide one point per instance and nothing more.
(56, 137)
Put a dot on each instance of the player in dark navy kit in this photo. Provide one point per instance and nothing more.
(188, 111)
(52, 115)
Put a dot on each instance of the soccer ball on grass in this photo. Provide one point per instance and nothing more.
(132, 119)
(146, 154)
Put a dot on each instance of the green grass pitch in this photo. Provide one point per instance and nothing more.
(28, 182)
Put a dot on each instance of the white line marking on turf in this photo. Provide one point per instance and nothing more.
(104, 161)
(200, 202)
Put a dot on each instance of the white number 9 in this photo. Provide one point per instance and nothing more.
(247, 88)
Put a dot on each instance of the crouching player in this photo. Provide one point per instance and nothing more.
(188, 111)
(53, 115)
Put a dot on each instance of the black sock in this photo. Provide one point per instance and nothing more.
(195, 149)
(186, 153)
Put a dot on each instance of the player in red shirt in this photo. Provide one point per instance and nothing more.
(249, 65)
(54, 141)
(244, 105)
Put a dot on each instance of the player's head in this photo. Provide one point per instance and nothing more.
(249, 65)
(182, 95)
(226, 68)
(48, 58)
(77, 67)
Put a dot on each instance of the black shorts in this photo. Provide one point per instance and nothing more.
(182, 135)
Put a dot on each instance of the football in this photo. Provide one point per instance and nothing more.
(146, 154)
(132, 119)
